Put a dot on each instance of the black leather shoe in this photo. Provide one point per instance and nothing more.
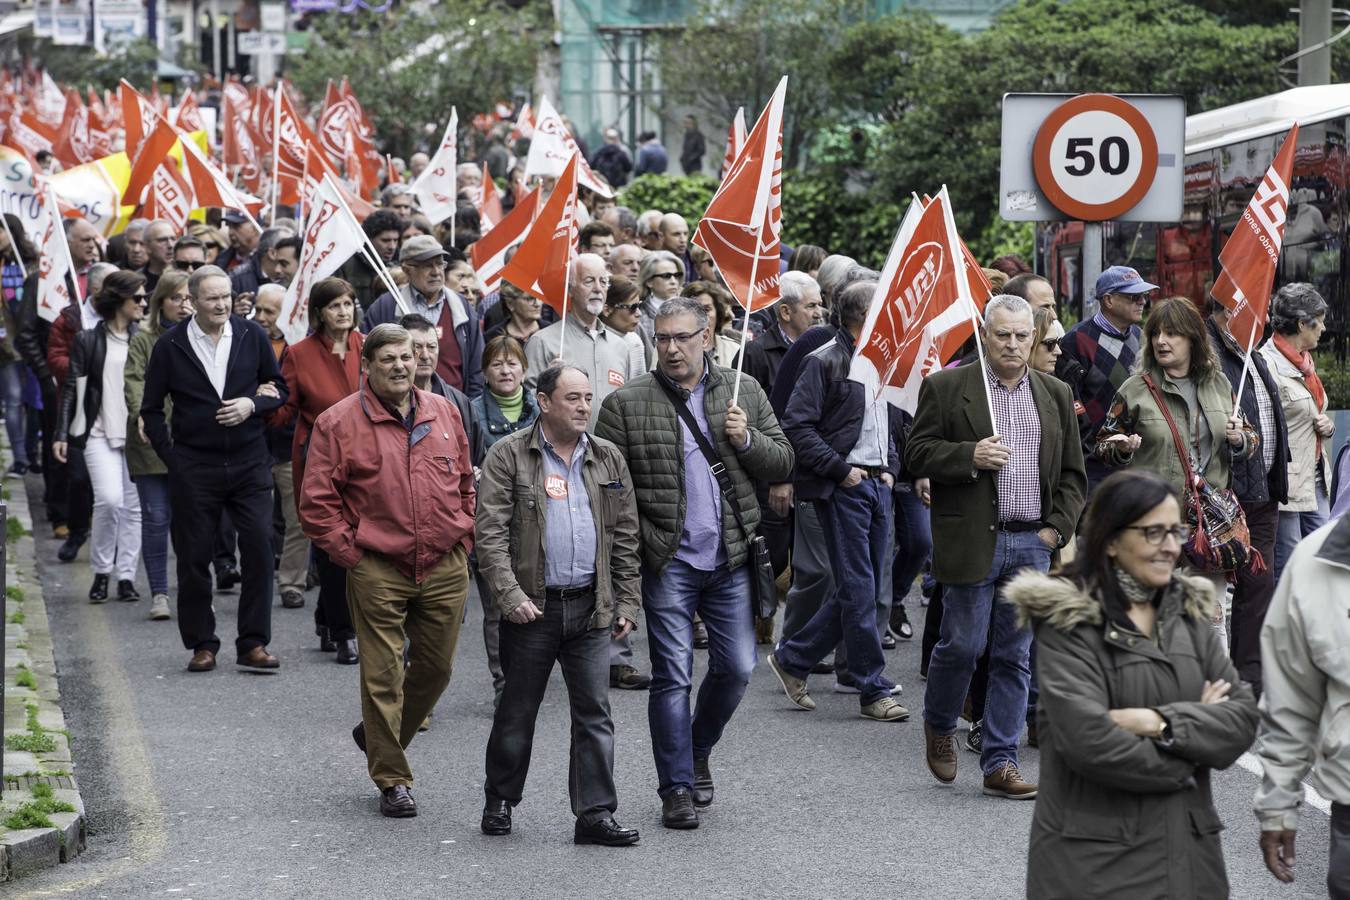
(70, 547)
(346, 652)
(326, 642)
(397, 802)
(703, 783)
(606, 833)
(359, 735)
(677, 810)
(126, 591)
(496, 818)
(98, 591)
(227, 577)
(888, 641)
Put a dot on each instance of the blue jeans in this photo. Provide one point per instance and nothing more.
(973, 616)
(856, 524)
(913, 541)
(12, 377)
(1295, 526)
(155, 520)
(670, 599)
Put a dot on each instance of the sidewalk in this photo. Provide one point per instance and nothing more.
(41, 815)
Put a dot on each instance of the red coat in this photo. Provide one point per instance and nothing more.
(59, 341)
(372, 485)
(317, 378)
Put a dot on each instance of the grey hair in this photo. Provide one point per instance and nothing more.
(391, 191)
(651, 261)
(267, 289)
(97, 272)
(1295, 304)
(627, 219)
(854, 302)
(197, 278)
(649, 222)
(165, 222)
(136, 225)
(792, 285)
(1007, 303)
(678, 306)
(382, 335)
(831, 273)
(271, 236)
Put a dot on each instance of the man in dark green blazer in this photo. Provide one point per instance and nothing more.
(1006, 494)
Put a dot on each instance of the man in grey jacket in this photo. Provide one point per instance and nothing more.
(1305, 710)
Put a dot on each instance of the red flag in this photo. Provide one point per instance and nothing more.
(189, 117)
(334, 124)
(540, 265)
(72, 146)
(392, 175)
(735, 141)
(489, 202)
(363, 133)
(152, 153)
(24, 136)
(138, 117)
(169, 197)
(743, 221)
(488, 253)
(1252, 252)
(524, 127)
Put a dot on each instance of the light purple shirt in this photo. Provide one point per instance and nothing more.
(701, 540)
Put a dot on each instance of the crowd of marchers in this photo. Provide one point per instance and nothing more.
(626, 465)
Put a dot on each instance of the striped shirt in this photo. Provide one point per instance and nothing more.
(1018, 422)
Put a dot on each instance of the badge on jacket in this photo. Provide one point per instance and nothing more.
(615, 378)
(556, 487)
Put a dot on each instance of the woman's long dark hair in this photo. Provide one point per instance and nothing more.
(1122, 499)
(24, 248)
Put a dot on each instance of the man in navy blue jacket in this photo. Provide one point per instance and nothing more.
(846, 465)
(222, 377)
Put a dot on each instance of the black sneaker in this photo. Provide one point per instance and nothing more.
(126, 591)
(98, 591)
(17, 470)
(974, 741)
(900, 626)
(888, 640)
(70, 548)
(227, 576)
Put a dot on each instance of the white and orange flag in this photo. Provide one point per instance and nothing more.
(488, 202)
(488, 253)
(1250, 255)
(540, 265)
(923, 304)
(435, 187)
(524, 127)
(552, 148)
(331, 237)
(742, 225)
(735, 141)
(138, 117)
(54, 265)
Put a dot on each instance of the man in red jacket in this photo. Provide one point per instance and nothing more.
(388, 494)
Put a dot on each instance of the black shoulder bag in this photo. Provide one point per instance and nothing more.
(763, 585)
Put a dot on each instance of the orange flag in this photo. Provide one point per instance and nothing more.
(735, 141)
(540, 265)
(488, 253)
(138, 116)
(1252, 252)
(489, 203)
(154, 151)
(742, 224)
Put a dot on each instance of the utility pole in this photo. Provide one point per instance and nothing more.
(1314, 27)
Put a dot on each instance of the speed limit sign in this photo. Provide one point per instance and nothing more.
(1095, 157)
(1092, 157)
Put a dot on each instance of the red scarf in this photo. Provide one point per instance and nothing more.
(1303, 361)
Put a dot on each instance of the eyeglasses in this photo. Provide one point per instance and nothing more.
(1155, 534)
(665, 275)
(184, 265)
(684, 338)
(627, 307)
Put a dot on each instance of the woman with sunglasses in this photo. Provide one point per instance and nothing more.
(621, 313)
(94, 420)
(1138, 704)
(523, 315)
(659, 279)
(169, 305)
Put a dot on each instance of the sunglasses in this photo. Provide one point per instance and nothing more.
(627, 307)
(665, 275)
(186, 266)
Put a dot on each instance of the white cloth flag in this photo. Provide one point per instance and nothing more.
(331, 237)
(552, 147)
(435, 187)
(53, 293)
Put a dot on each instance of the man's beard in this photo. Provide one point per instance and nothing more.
(595, 307)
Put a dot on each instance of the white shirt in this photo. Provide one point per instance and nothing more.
(214, 355)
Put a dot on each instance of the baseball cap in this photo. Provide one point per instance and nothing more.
(421, 248)
(234, 217)
(1122, 280)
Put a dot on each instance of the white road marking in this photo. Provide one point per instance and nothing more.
(1310, 796)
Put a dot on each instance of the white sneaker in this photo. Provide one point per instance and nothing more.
(159, 607)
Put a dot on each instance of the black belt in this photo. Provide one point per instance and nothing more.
(873, 471)
(1020, 527)
(569, 593)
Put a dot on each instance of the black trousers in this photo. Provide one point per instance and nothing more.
(529, 651)
(226, 539)
(70, 496)
(198, 493)
(332, 610)
(1252, 593)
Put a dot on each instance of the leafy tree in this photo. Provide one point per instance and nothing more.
(411, 64)
(78, 66)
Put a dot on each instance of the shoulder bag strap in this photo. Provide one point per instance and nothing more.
(1171, 423)
(719, 470)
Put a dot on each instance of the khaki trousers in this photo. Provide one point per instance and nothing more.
(294, 570)
(386, 607)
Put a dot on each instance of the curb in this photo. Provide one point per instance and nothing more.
(38, 771)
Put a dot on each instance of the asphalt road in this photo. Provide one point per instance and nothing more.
(233, 784)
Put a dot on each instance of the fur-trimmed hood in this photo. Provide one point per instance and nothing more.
(1062, 604)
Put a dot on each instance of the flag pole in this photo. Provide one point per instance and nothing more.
(276, 145)
(984, 369)
(14, 248)
(745, 325)
(567, 290)
(1246, 365)
(373, 255)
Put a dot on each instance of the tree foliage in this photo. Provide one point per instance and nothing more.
(411, 64)
(78, 66)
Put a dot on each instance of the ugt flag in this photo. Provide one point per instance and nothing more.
(1249, 257)
(53, 291)
(331, 237)
(541, 263)
(924, 295)
(435, 187)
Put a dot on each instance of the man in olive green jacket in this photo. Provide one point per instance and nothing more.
(694, 552)
(557, 541)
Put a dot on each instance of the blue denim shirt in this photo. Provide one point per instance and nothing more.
(701, 540)
(569, 527)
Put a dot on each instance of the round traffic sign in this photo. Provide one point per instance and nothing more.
(1095, 157)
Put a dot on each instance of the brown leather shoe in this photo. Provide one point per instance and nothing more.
(1006, 781)
(202, 661)
(940, 752)
(259, 658)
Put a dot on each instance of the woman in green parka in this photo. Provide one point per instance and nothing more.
(1138, 703)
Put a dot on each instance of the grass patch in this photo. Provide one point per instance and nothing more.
(34, 813)
(23, 677)
(15, 593)
(17, 618)
(14, 530)
(30, 743)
